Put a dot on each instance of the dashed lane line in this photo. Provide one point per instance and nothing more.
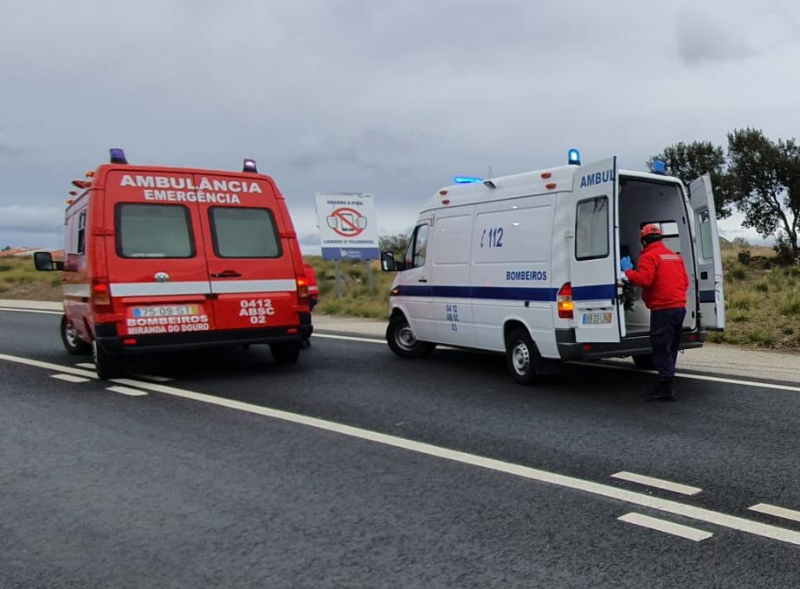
(88, 365)
(667, 527)
(131, 392)
(658, 483)
(69, 378)
(777, 511)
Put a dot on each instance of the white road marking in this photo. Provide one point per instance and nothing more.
(69, 378)
(88, 365)
(127, 391)
(665, 505)
(659, 483)
(349, 338)
(661, 525)
(777, 511)
(31, 311)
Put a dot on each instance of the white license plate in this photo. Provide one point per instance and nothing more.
(596, 318)
(167, 311)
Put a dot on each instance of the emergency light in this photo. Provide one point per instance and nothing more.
(466, 180)
(250, 166)
(659, 167)
(574, 157)
(117, 156)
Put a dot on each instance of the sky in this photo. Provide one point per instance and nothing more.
(387, 98)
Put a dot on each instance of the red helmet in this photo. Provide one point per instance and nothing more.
(650, 230)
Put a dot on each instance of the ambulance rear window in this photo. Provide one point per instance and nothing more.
(154, 231)
(244, 233)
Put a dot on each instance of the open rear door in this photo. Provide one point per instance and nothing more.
(708, 254)
(595, 256)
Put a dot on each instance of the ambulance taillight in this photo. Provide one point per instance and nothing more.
(101, 294)
(565, 304)
(302, 289)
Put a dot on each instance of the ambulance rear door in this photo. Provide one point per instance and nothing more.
(156, 265)
(708, 254)
(250, 264)
(594, 258)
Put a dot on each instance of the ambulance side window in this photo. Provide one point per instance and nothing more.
(154, 231)
(81, 248)
(244, 233)
(591, 229)
(417, 248)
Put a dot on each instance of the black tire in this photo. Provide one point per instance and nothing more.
(521, 357)
(285, 352)
(72, 342)
(108, 366)
(644, 361)
(403, 342)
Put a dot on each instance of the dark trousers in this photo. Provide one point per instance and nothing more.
(665, 337)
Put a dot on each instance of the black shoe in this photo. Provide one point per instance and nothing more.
(662, 392)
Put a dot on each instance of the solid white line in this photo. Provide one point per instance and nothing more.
(349, 338)
(777, 511)
(69, 378)
(31, 311)
(659, 483)
(88, 365)
(127, 391)
(599, 489)
(661, 525)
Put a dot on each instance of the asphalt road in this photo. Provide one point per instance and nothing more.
(410, 474)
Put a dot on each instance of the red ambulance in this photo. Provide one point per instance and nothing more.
(159, 258)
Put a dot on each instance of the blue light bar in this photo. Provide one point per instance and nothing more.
(466, 180)
(574, 157)
(249, 166)
(117, 156)
(659, 167)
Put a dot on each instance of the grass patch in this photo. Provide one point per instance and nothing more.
(790, 305)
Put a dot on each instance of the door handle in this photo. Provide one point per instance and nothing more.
(226, 274)
(423, 280)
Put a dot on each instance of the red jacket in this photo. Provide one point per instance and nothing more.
(662, 276)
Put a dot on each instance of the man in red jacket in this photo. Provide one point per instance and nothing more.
(662, 277)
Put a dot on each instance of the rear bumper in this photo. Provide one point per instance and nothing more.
(569, 349)
(111, 343)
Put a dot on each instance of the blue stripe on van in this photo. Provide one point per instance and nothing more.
(513, 293)
(478, 292)
(708, 296)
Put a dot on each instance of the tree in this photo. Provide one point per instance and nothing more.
(689, 161)
(394, 243)
(765, 182)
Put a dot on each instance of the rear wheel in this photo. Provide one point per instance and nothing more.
(285, 352)
(644, 361)
(403, 342)
(107, 366)
(74, 344)
(521, 356)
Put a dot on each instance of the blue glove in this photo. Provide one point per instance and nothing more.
(625, 264)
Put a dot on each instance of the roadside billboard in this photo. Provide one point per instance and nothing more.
(347, 226)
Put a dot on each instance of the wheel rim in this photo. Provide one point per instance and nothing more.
(521, 358)
(71, 335)
(405, 338)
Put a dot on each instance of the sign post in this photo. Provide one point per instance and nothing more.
(348, 229)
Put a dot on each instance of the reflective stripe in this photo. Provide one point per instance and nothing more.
(134, 289)
(76, 290)
(233, 286)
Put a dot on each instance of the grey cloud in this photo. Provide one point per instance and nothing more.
(30, 219)
(10, 148)
(702, 38)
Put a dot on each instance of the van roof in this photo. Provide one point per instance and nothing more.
(516, 185)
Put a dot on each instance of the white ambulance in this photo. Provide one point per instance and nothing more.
(528, 265)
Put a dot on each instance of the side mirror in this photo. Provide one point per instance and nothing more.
(387, 262)
(43, 261)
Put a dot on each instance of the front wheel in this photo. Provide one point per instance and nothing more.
(521, 356)
(74, 344)
(285, 352)
(107, 366)
(403, 342)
